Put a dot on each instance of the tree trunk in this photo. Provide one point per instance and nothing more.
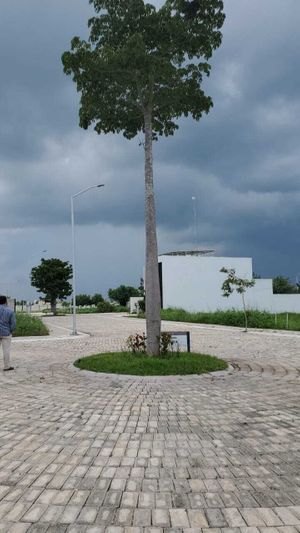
(53, 307)
(245, 313)
(152, 289)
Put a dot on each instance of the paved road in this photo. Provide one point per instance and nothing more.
(93, 453)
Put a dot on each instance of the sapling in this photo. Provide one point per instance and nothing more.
(233, 283)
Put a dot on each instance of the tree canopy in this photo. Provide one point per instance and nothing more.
(51, 278)
(139, 56)
(122, 294)
(282, 285)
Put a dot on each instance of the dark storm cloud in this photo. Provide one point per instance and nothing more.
(241, 161)
(36, 99)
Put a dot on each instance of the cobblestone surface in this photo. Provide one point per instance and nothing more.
(92, 453)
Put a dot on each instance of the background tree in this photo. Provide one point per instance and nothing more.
(83, 299)
(140, 71)
(233, 283)
(282, 285)
(51, 278)
(122, 294)
(97, 299)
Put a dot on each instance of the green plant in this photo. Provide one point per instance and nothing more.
(83, 300)
(105, 307)
(282, 285)
(137, 343)
(235, 318)
(51, 277)
(233, 283)
(122, 294)
(165, 344)
(97, 299)
(28, 325)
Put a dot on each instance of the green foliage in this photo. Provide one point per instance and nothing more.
(137, 343)
(86, 299)
(232, 317)
(141, 306)
(51, 278)
(83, 299)
(122, 294)
(240, 285)
(105, 307)
(232, 282)
(140, 57)
(165, 345)
(97, 298)
(28, 325)
(282, 285)
(141, 365)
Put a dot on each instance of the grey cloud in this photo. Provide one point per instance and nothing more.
(241, 161)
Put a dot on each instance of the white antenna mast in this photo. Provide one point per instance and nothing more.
(194, 199)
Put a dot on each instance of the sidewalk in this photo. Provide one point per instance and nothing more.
(96, 453)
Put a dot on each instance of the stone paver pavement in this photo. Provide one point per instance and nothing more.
(92, 453)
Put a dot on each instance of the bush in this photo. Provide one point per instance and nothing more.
(137, 344)
(105, 307)
(28, 326)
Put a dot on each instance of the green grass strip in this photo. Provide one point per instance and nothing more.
(232, 317)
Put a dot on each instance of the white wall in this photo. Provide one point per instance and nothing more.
(134, 303)
(282, 303)
(194, 283)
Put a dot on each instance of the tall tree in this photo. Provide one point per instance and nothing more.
(140, 71)
(51, 277)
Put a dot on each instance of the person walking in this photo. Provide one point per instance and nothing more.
(7, 326)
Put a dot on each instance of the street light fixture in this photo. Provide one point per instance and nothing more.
(74, 331)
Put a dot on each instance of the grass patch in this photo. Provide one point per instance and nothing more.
(142, 365)
(28, 325)
(256, 319)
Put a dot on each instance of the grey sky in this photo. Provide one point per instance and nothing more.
(241, 162)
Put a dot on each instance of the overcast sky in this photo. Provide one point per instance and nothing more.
(241, 162)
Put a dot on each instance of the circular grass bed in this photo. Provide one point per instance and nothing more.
(143, 365)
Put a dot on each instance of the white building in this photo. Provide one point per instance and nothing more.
(193, 281)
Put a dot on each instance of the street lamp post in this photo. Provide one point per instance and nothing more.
(74, 331)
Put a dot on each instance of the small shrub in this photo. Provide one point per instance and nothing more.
(105, 307)
(137, 343)
(166, 346)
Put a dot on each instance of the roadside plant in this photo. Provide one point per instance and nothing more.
(233, 283)
(137, 343)
(166, 345)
